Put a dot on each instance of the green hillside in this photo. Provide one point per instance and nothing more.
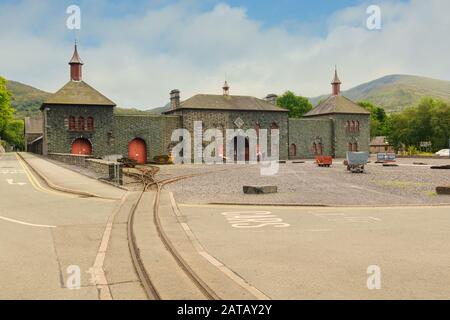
(395, 92)
(25, 99)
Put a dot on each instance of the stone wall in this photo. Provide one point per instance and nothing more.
(343, 136)
(105, 169)
(111, 171)
(225, 119)
(72, 159)
(155, 130)
(303, 133)
(59, 139)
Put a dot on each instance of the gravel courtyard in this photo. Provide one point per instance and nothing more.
(307, 184)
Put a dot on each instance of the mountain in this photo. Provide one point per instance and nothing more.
(160, 109)
(25, 99)
(395, 92)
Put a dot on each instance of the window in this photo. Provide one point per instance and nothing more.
(350, 146)
(72, 124)
(348, 126)
(90, 124)
(274, 125)
(357, 126)
(80, 124)
(293, 150)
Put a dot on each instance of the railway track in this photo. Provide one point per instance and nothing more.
(148, 180)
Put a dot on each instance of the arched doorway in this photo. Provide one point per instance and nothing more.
(137, 150)
(237, 151)
(81, 146)
(293, 150)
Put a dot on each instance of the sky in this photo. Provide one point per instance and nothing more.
(136, 52)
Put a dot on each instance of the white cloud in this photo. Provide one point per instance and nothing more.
(137, 60)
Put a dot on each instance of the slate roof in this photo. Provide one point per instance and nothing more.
(336, 104)
(379, 141)
(231, 102)
(33, 125)
(78, 93)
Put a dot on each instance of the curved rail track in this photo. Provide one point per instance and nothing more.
(147, 178)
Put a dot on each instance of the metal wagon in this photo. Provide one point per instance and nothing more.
(356, 161)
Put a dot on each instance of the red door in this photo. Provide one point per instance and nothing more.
(137, 150)
(81, 146)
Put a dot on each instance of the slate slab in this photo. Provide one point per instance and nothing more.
(260, 189)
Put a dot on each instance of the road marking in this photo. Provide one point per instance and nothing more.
(212, 260)
(254, 219)
(333, 217)
(26, 223)
(35, 183)
(11, 182)
(11, 171)
(98, 272)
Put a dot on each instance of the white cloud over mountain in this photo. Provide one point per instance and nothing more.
(137, 59)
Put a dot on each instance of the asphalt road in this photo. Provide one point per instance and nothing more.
(330, 253)
(42, 234)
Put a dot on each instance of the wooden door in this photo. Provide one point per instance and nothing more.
(137, 150)
(81, 146)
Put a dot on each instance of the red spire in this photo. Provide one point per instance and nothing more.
(76, 66)
(336, 84)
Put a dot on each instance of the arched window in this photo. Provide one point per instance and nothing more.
(80, 124)
(90, 124)
(293, 150)
(315, 149)
(348, 126)
(357, 126)
(72, 124)
(352, 128)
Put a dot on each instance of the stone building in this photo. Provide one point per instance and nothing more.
(78, 119)
(33, 134)
(233, 112)
(333, 127)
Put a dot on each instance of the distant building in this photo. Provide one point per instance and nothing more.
(80, 120)
(33, 134)
(381, 145)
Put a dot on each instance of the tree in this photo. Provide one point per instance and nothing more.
(429, 121)
(14, 133)
(6, 110)
(297, 105)
(378, 118)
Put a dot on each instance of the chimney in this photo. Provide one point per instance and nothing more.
(336, 84)
(174, 99)
(272, 98)
(76, 66)
(226, 89)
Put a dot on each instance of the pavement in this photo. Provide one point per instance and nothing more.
(68, 180)
(48, 238)
(326, 253)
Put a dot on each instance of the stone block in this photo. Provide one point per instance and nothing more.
(443, 190)
(441, 167)
(260, 189)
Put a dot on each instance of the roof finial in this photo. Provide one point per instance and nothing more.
(336, 84)
(76, 65)
(226, 89)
